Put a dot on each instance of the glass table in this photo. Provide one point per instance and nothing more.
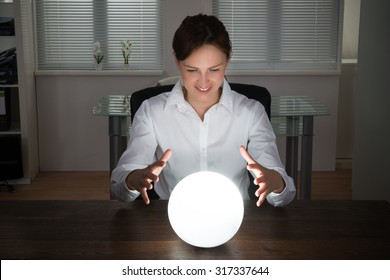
(291, 116)
(117, 109)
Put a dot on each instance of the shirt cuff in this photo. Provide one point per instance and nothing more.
(286, 196)
(121, 192)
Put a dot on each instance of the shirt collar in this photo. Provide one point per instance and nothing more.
(176, 97)
(226, 99)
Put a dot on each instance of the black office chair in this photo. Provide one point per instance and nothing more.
(255, 92)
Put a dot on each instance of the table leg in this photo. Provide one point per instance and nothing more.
(306, 157)
(117, 130)
(292, 147)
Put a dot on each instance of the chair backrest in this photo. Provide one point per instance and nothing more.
(255, 92)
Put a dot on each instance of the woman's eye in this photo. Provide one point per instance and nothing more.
(214, 70)
(191, 70)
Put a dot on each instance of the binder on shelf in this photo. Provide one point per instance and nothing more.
(8, 67)
(5, 116)
(7, 26)
(11, 166)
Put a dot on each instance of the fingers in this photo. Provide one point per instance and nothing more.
(262, 188)
(143, 187)
(144, 195)
(247, 156)
(252, 166)
(151, 174)
(159, 165)
(166, 156)
(269, 181)
(261, 199)
(255, 167)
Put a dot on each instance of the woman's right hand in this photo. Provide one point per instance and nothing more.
(141, 179)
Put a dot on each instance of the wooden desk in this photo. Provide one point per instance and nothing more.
(115, 230)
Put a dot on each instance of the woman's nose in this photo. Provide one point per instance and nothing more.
(204, 79)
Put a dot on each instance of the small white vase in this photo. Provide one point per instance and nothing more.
(126, 66)
(98, 66)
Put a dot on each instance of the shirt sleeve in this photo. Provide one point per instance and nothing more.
(262, 146)
(287, 195)
(120, 191)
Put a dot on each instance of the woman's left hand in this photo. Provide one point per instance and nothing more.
(268, 180)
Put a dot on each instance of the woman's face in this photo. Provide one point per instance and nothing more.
(202, 75)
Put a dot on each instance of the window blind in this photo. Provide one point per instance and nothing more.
(282, 34)
(66, 31)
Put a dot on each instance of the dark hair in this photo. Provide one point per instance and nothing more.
(196, 31)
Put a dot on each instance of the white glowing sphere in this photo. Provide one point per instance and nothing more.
(205, 209)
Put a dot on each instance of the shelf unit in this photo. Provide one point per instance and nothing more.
(22, 95)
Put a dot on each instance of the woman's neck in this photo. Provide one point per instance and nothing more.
(201, 108)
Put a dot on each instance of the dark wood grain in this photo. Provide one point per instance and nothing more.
(95, 185)
(116, 230)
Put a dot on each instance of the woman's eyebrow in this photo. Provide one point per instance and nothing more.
(218, 65)
(188, 66)
(193, 67)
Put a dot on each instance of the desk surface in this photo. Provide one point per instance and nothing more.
(116, 230)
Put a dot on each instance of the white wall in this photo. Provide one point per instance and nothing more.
(372, 138)
(71, 138)
(346, 112)
(347, 89)
(351, 29)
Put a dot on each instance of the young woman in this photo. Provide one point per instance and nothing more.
(201, 125)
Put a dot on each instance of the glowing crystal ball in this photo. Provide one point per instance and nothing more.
(205, 209)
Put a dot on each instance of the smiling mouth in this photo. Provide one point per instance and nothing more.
(203, 89)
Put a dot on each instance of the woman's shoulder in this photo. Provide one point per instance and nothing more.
(244, 101)
(157, 100)
(245, 106)
(166, 96)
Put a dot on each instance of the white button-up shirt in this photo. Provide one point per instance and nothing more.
(168, 121)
